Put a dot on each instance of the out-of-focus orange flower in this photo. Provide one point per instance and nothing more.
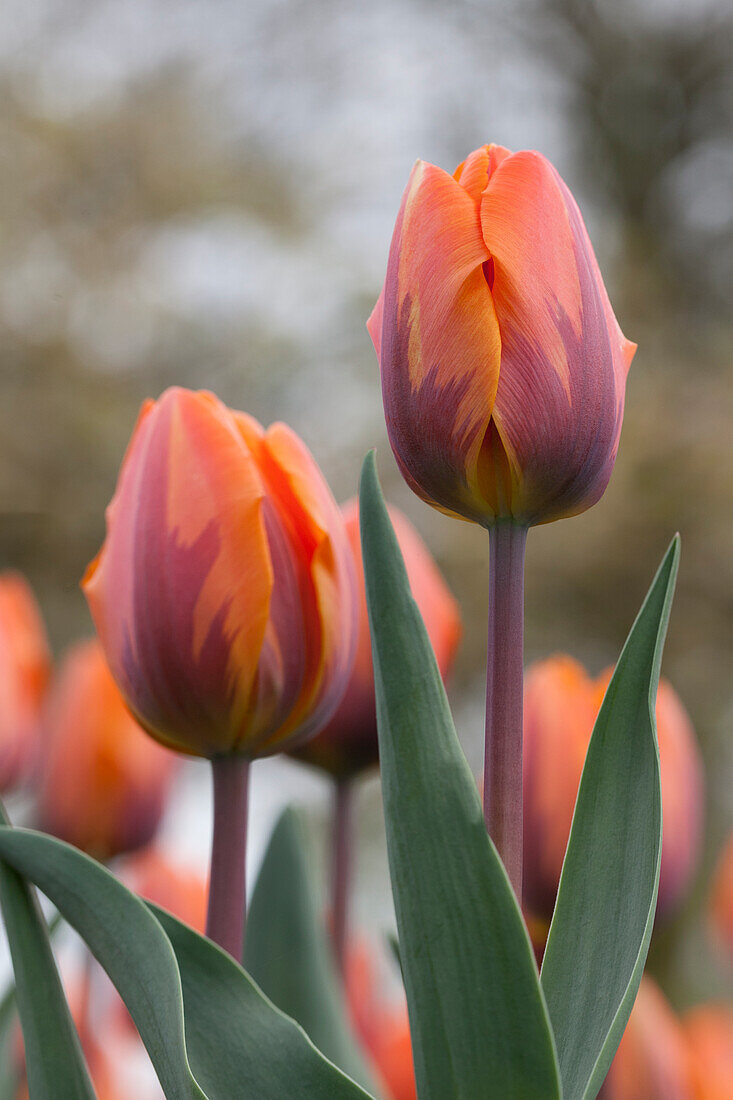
(652, 1061)
(103, 782)
(224, 594)
(709, 1031)
(721, 900)
(349, 742)
(155, 878)
(25, 666)
(560, 705)
(503, 367)
(382, 1027)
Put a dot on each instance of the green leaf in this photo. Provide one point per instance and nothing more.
(237, 1037)
(54, 1060)
(288, 955)
(477, 1013)
(607, 897)
(124, 937)
(241, 1045)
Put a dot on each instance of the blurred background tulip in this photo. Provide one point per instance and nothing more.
(156, 878)
(652, 1061)
(102, 783)
(561, 701)
(381, 1024)
(25, 665)
(709, 1031)
(503, 367)
(721, 899)
(223, 594)
(349, 743)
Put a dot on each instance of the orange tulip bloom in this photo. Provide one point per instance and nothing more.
(709, 1031)
(25, 666)
(223, 594)
(382, 1028)
(103, 783)
(560, 705)
(349, 742)
(721, 901)
(503, 367)
(652, 1061)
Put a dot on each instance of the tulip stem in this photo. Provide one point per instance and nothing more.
(504, 688)
(341, 866)
(227, 898)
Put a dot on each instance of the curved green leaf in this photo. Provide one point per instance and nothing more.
(241, 1046)
(54, 1060)
(126, 940)
(477, 1013)
(287, 954)
(607, 897)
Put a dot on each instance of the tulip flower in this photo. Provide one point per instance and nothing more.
(25, 665)
(560, 706)
(349, 744)
(709, 1031)
(381, 1025)
(103, 783)
(652, 1061)
(503, 378)
(224, 599)
(721, 900)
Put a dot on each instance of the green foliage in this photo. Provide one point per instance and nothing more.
(607, 898)
(240, 1045)
(55, 1063)
(287, 954)
(477, 1012)
(234, 1031)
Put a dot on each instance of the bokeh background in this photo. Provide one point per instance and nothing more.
(203, 193)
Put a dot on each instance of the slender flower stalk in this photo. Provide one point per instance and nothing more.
(504, 687)
(341, 866)
(227, 897)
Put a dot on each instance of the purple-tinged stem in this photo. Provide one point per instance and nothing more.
(341, 859)
(227, 897)
(504, 688)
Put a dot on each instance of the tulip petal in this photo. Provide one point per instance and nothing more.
(476, 170)
(312, 516)
(440, 344)
(559, 402)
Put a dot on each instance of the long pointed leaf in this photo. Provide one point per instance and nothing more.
(126, 940)
(241, 1046)
(287, 954)
(607, 897)
(477, 1013)
(54, 1060)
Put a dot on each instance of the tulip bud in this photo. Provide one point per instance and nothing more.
(503, 367)
(103, 783)
(25, 666)
(709, 1031)
(349, 742)
(721, 901)
(560, 706)
(223, 594)
(652, 1061)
